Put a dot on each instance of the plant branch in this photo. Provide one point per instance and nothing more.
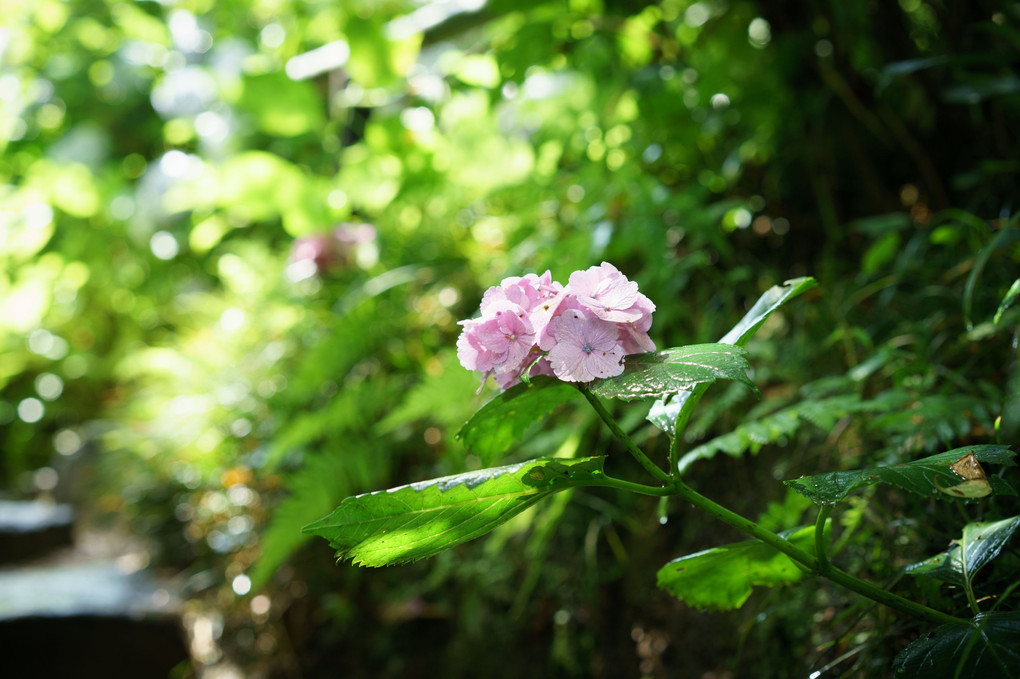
(744, 524)
(817, 564)
(621, 484)
(831, 572)
(622, 437)
(971, 599)
(891, 600)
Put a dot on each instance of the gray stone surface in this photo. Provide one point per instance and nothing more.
(81, 589)
(29, 530)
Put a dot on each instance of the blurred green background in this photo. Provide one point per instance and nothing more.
(236, 238)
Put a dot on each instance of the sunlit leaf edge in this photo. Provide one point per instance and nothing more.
(784, 570)
(391, 527)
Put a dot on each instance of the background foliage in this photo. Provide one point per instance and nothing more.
(197, 348)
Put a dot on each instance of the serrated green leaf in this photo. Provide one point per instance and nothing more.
(986, 648)
(664, 412)
(752, 434)
(749, 436)
(499, 423)
(930, 476)
(682, 368)
(722, 578)
(324, 480)
(419, 520)
(980, 543)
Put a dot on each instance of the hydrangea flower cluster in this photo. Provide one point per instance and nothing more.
(576, 332)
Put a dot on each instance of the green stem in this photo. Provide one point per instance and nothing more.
(891, 600)
(817, 564)
(682, 419)
(622, 437)
(613, 482)
(971, 599)
(823, 559)
(834, 574)
(744, 524)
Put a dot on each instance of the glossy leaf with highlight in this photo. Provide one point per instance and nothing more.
(988, 647)
(980, 543)
(660, 373)
(419, 520)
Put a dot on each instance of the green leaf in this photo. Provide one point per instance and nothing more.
(755, 432)
(664, 414)
(929, 476)
(986, 648)
(682, 368)
(880, 253)
(419, 520)
(1005, 237)
(504, 419)
(324, 480)
(772, 299)
(722, 578)
(981, 542)
(1007, 301)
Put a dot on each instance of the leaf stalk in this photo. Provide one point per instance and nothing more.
(812, 562)
(682, 420)
(823, 559)
(622, 437)
(817, 563)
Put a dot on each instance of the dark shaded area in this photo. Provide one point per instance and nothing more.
(92, 647)
(29, 530)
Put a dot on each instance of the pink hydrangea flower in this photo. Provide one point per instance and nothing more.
(634, 335)
(497, 343)
(542, 367)
(606, 292)
(586, 347)
(525, 291)
(577, 333)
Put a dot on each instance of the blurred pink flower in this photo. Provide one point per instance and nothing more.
(331, 250)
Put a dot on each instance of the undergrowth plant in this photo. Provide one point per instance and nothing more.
(547, 344)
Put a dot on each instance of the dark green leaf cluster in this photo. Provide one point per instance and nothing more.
(931, 476)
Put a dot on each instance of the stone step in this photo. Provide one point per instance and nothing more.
(30, 530)
(88, 620)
